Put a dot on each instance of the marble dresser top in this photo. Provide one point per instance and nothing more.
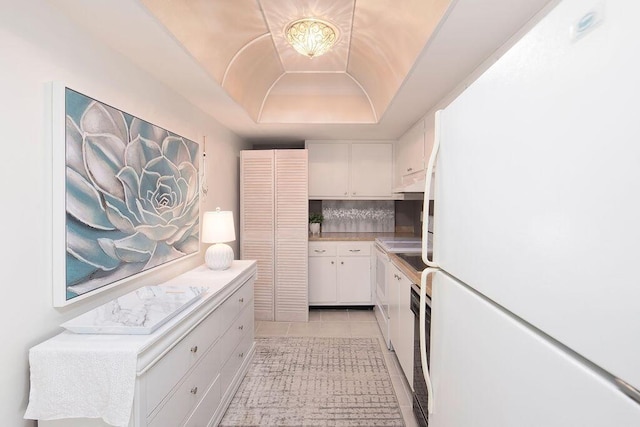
(139, 312)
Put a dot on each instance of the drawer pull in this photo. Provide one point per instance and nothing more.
(342, 262)
(241, 355)
(241, 300)
(241, 327)
(320, 251)
(354, 250)
(332, 262)
(409, 169)
(194, 390)
(194, 349)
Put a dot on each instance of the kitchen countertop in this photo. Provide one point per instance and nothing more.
(355, 236)
(412, 274)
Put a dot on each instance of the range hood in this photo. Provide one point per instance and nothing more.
(412, 186)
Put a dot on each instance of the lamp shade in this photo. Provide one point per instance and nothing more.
(217, 227)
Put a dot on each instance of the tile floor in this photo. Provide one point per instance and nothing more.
(345, 323)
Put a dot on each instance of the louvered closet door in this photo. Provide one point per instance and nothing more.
(257, 225)
(292, 224)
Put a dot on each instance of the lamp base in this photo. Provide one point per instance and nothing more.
(219, 256)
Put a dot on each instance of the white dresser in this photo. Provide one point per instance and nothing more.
(189, 369)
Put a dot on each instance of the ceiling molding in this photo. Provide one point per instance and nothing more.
(373, 110)
(238, 53)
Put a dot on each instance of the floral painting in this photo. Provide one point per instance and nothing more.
(131, 195)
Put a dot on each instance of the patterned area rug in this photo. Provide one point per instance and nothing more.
(315, 382)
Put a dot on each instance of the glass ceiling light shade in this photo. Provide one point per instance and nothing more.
(311, 37)
(218, 228)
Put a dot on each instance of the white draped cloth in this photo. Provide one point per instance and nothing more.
(74, 380)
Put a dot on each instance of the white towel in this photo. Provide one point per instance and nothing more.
(68, 381)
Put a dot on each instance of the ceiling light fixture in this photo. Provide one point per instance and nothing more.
(311, 36)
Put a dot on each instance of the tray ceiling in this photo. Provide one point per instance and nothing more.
(241, 44)
(193, 57)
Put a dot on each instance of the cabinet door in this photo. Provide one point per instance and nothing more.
(257, 219)
(322, 280)
(410, 153)
(291, 232)
(371, 170)
(393, 294)
(328, 169)
(354, 280)
(404, 350)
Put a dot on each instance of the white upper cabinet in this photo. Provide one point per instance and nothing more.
(328, 170)
(410, 154)
(371, 170)
(350, 170)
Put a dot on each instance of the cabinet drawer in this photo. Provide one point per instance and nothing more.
(207, 406)
(233, 305)
(242, 327)
(354, 249)
(230, 368)
(322, 249)
(189, 392)
(165, 374)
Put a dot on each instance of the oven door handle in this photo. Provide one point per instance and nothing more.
(423, 343)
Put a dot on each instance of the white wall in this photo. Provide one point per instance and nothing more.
(38, 45)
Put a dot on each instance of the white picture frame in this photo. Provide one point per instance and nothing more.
(125, 196)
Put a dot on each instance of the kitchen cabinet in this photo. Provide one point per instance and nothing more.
(328, 170)
(412, 156)
(350, 170)
(401, 319)
(274, 227)
(188, 370)
(409, 156)
(340, 273)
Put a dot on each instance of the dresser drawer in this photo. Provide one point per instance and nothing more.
(322, 249)
(233, 305)
(165, 374)
(189, 393)
(242, 327)
(207, 406)
(238, 356)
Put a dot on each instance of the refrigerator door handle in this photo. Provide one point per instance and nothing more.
(423, 343)
(631, 392)
(427, 193)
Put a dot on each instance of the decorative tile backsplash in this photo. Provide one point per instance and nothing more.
(358, 216)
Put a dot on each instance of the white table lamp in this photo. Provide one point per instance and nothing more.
(218, 228)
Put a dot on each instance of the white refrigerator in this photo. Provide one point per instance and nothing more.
(536, 290)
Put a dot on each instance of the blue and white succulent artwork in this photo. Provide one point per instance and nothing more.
(132, 199)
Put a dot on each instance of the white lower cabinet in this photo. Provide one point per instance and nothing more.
(190, 370)
(401, 320)
(340, 273)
